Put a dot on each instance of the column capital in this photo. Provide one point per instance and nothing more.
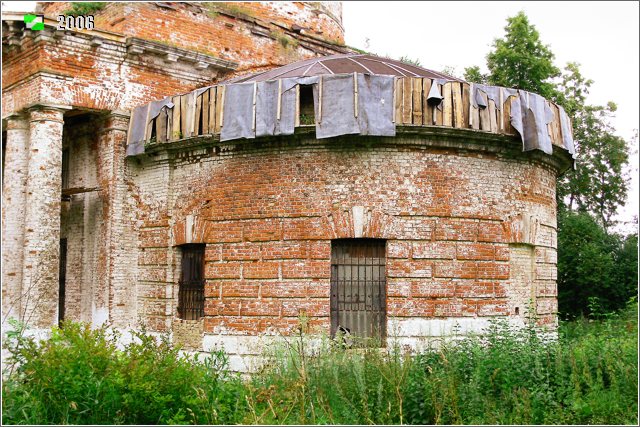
(15, 121)
(47, 112)
(115, 120)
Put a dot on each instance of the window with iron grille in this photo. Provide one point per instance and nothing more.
(358, 288)
(191, 285)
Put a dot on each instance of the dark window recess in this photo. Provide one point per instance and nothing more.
(62, 278)
(307, 112)
(65, 168)
(191, 285)
(358, 288)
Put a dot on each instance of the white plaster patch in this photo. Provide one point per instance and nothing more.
(99, 316)
(358, 220)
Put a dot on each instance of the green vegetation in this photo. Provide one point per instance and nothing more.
(85, 8)
(79, 376)
(284, 40)
(597, 272)
(589, 375)
(410, 61)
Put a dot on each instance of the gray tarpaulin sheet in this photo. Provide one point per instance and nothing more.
(338, 112)
(139, 120)
(531, 121)
(435, 96)
(266, 108)
(375, 105)
(492, 92)
(238, 112)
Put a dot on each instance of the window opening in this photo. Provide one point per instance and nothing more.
(191, 285)
(307, 110)
(358, 288)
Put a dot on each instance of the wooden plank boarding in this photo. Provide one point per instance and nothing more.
(427, 114)
(493, 118)
(161, 126)
(183, 117)
(197, 115)
(212, 110)
(175, 119)
(148, 128)
(398, 101)
(506, 114)
(465, 105)
(406, 101)
(168, 128)
(456, 94)
(417, 104)
(485, 122)
(205, 113)
(219, 102)
(447, 104)
(439, 111)
(190, 112)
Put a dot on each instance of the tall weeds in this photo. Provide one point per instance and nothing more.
(589, 375)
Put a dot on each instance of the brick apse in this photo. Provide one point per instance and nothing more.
(230, 242)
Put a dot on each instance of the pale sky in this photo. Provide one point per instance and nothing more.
(601, 36)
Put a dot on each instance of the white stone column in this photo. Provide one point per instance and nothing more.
(42, 217)
(13, 214)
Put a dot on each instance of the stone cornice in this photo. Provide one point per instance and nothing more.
(138, 46)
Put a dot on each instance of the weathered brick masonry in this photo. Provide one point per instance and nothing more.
(468, 219)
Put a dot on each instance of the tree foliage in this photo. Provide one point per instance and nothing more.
(597, 272)
(599, 184)
(474, 75)
(520, 60)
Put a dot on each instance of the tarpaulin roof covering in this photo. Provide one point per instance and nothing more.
(343, 64)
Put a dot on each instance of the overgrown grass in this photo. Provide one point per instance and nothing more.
(589, 375)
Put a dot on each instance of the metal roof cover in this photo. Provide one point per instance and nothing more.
(343, 63)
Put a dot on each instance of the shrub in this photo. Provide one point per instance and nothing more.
(79, 376)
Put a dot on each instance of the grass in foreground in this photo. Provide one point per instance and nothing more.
(79, 376)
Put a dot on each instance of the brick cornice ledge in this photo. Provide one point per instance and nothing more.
(138, 46)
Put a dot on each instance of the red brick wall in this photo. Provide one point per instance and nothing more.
(225, 30)
(268, 216)
(70, 68)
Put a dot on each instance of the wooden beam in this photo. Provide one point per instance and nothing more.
(175, 119)
(197, 114)
(417, 104)
(456, 95)
(427, 111)
(493, 118)
(183, 116)
(398, 101)
(406, 101)
(447, 104)
(485, 122)
(161, 126)
(466, 104)
(205, 112)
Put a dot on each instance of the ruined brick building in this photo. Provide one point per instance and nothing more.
(195, 169)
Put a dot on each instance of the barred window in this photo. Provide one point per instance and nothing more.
(191, 285)
(358, 288)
